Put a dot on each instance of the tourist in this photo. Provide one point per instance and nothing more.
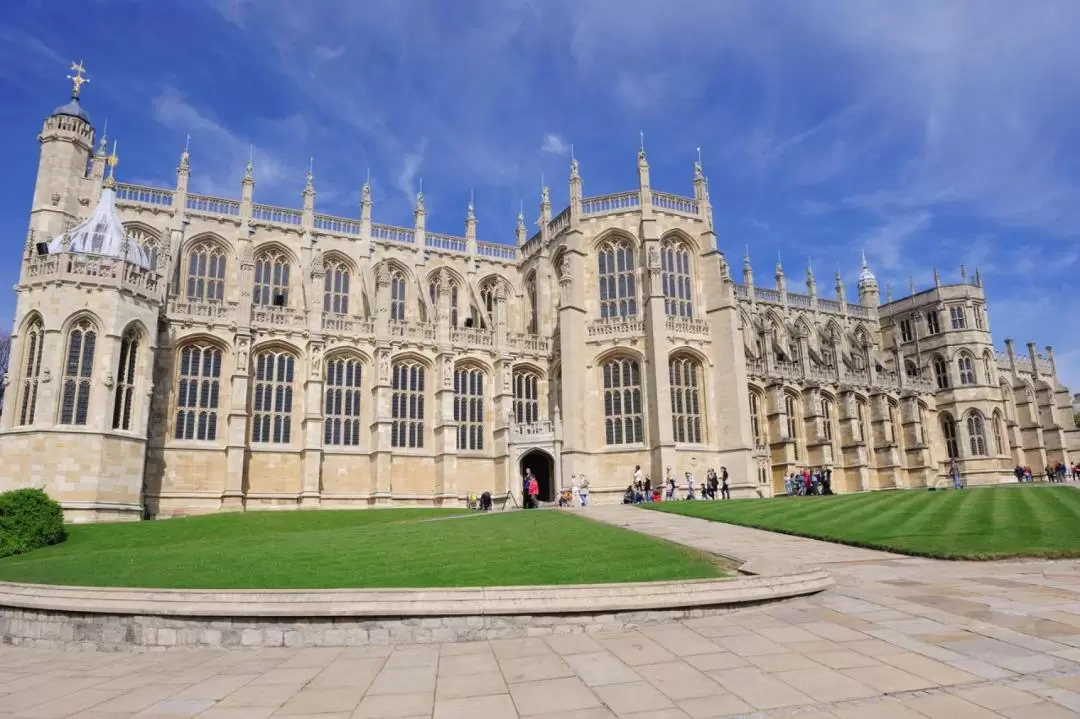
(1049, 473)
(827, 481)
(525, 488)
(725, 491)
(534, 492)
(648, 489)
(1060, 469)
(689, 485)
(1019, 472)
(708, 491)
(787, 484)
(954, 473)
(575, 490)
(485, 502)
(584, 490)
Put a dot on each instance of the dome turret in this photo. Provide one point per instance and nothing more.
(102, 234)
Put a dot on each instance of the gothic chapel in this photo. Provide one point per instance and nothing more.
(176, 353)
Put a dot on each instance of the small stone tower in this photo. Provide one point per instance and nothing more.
(88, 300)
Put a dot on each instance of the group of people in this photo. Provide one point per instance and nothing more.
(641, 489)
(1056, 472)
(809, 482)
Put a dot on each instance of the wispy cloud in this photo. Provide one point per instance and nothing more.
(407, 179)
(887, 244)
(554, 144)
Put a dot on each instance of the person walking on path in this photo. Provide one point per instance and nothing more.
(689, 485)
(584, 490)
(954, 473)
(534, 492)
(725, 491)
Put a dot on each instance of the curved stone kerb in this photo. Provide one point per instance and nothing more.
(360, 603)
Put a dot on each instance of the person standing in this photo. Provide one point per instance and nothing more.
(725, 491)
(689, 485)
(954, 473)
(575, 490)
(584, 490)
(525, 488)
(534, 492)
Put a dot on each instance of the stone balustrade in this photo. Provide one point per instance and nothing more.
(195, 310)
(101, 270)
(347, 325)
(794, 371)
(616, 327)
(472, 337)
(688, 327)
(278, 317)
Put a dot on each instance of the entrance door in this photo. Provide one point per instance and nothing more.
(543, 468)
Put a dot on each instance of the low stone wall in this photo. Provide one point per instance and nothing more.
(114, 618)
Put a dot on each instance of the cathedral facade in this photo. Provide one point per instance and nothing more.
(176, 353)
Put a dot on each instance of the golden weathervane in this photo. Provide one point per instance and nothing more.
(77, 80)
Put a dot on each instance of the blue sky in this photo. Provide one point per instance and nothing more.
(927, 132)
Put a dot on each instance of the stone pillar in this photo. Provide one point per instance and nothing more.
(661, 436)
(382, 422)
(576, 401)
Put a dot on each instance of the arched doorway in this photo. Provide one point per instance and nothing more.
(543, 468)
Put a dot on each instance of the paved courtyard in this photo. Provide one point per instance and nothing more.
(897, 637)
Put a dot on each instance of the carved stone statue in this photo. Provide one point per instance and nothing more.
(384, 367)
(382, 276)
(242, 353)
(654, 258)
(318, 267)
(109, 380)
(316, 360)
(564, 270)
(448, 372)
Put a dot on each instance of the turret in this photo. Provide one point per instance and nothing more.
(575, 186)
(841, 293)
(811, 283)
(470, 226)
(67, 141)
(748, 272)
(781, 284)
(520, 231)
(869, 294)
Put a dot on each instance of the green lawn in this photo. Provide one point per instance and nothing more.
(372, 548)
(974, 523)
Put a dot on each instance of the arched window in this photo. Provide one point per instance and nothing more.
(895, 426)
(910, 369)
(146, 241)
(534, 310)
(675, 278)
(78, 368)
(336, 288)
(341, 421)
(271, 280)
(206, 273)
(948, 429)
(757, 424)
(397, 296)
(941, 373)
(198, 390)
(865, 430)
(791, 409)
(526, 397)
(124, 397)
(618, 291)
(272, 400)
(407, 405)
(624, 421)
(434, 285)
(827, 415)
(967, 369)
(976, 434)
(487, 298)
(469, 408)
(684, 375)
(34, 343)
(999, 437)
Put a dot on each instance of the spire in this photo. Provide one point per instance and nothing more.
(811, 283)
(779, 266)
(249, 171)
(112, 161)
(309, 184)
(470, 220)
(888, 292)
(866, 276)
(185, 156)
(520, 231)
(841, 295)
(104, 142)
(77, 80)
(419, 213)
(937, 278)
(963, 274)
(747, 271)
(699, 173)
(365, 199)
(470, 213)
(911, 286)
(574, 174)
(978, 276)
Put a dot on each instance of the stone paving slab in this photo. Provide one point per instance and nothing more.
(896, 637)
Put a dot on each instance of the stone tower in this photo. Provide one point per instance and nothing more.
(83, 344)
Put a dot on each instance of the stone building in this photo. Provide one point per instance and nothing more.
(175, 353)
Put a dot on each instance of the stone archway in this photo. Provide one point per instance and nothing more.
(542, 465)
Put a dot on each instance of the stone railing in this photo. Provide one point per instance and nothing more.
(347, 324)
(287, 317)
(560, 223)
(770, 296)
(423, 331)
(605, 204)
(277, 215)
(496, 251)
(533, 430)
(755, 367)
(392, 234)
(181, 309)
(472, 337)
(920, 384)
(523, 342)
(616, 327)
(675, 203)
(140, 195)
(821, 373)
(787, 370)
(212, 206)
(337, 225)
(93, 269)
(438, 241)
(687, 327)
